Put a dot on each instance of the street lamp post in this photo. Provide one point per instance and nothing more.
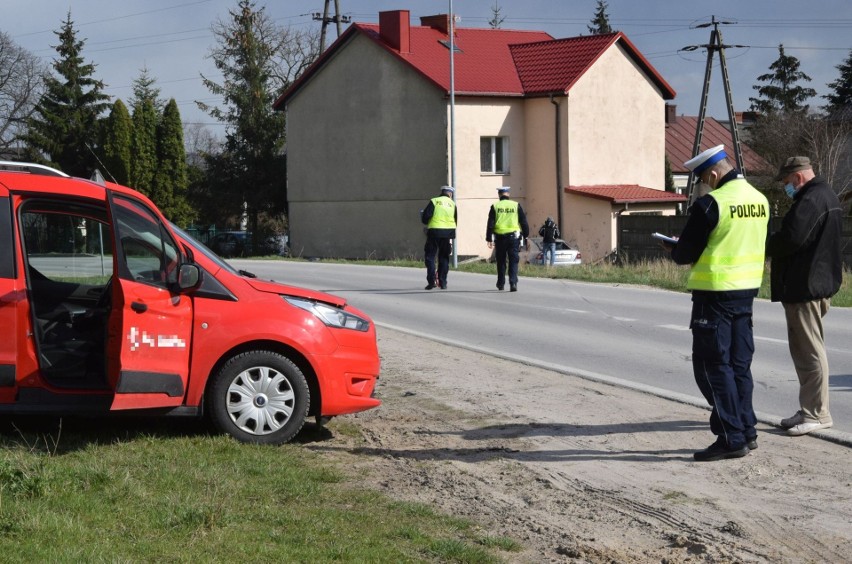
(451, 26)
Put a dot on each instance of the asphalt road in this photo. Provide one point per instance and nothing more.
(628, 335)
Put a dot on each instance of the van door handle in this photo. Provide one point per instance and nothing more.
(138, 307)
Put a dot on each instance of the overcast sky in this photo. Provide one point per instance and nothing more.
(172, 38)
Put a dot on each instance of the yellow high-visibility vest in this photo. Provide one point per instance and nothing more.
(734, 256)
(506, 214)
(444, 215)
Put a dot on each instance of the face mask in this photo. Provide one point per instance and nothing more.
(790, 189)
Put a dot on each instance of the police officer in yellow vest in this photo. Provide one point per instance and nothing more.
(724, 241)
(507, 223)
(440, 217)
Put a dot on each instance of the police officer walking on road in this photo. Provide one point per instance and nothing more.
(507, 223)
(440, 217)
(724, 240)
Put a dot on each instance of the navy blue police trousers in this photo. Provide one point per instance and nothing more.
(722, 349)
(443, 247)
(507, 248)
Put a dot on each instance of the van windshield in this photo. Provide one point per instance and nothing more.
(198, 246)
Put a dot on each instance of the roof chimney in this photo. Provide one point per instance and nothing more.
(441, 22)
(671, 113)
(394, 29)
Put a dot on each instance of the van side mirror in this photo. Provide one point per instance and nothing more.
(189, 276)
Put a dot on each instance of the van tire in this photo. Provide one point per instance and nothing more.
(259, 397)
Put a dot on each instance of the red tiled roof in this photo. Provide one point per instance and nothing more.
(554, 66)
(680, 137)
(626, 194)
(494, 61)
(483, 62)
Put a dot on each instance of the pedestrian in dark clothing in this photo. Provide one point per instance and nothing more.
(549, 233)
(724, 240)
(507, 223)
(440, 216)
(807, 270)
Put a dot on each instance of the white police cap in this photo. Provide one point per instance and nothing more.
(447, 189)
(503, 189)
(705, 160)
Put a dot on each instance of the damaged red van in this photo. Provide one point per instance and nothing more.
(106, 306)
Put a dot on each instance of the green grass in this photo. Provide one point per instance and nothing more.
(657, 273)
(156, 490)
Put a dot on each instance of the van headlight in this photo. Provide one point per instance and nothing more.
(331, 316)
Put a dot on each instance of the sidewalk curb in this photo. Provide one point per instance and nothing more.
(839, 437)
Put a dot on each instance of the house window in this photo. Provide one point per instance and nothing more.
(494, 155)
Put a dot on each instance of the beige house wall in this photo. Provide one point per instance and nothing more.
(476, 191)
(368, 150)
(542, 184)
(591, 224)
(616, 130)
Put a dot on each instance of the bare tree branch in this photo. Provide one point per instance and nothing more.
(21, 85)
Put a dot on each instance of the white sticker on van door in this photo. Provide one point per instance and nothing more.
(138, 338)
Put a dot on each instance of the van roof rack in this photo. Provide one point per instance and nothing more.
(32, 168)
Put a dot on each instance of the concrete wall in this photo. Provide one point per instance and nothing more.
(367, 148)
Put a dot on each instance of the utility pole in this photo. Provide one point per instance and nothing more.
(326, 19)
(714, 45)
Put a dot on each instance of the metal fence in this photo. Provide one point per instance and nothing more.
(635, 242)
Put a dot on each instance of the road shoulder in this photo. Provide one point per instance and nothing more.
(573, 468)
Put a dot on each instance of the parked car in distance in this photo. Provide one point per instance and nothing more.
(228, 244)
(565, 255)
(105, 306)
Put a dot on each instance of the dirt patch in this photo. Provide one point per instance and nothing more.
(580, 471)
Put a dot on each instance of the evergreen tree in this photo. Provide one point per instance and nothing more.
(117, 132)
(143, 148)
(669, 181)
(600, 23)
(246, 56)
(143, 89)
(170, 180)
(60, 130)
(497, 18)
(781, 91)
(840, 101)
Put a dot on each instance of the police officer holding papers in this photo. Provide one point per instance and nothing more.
(507, 223)
(440, 217)
(724, 241)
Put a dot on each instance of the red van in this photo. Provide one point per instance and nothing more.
(106, 306)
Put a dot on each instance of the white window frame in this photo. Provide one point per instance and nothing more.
(504, 153)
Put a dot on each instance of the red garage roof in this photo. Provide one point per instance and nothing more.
(488, 62)
(626, 194)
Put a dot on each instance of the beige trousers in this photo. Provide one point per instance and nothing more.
(807, 348)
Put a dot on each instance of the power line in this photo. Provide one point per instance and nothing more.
(116, 18)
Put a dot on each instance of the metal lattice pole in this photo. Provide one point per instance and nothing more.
(715, 45)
